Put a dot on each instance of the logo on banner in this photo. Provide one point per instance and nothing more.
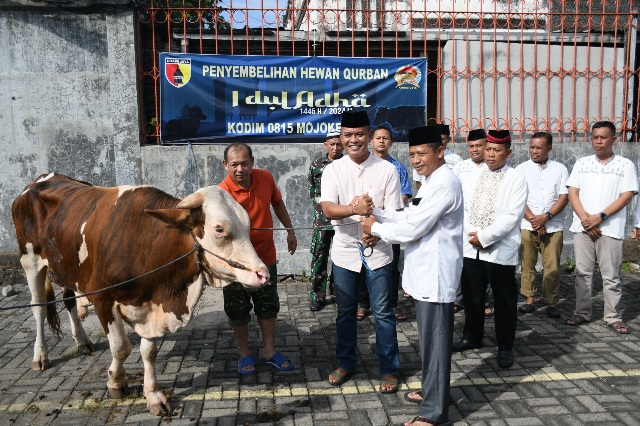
(408, 77)
(177, 71)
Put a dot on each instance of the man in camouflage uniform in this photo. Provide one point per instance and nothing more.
(321, 241)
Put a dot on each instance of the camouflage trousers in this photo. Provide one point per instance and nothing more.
(320, 245)
(237, 300)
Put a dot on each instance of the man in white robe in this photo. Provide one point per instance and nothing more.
(432, 229)
(492, 226)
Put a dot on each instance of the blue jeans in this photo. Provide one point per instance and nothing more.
(379, 285)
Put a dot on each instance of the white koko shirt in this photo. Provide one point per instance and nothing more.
(451, 158)
(600, 185)
(433, 233)
(545, 185)
(467, 171)
(342, 180)
(501, 239)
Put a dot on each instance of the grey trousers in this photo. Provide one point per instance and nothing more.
(607, 252)
(435, 333)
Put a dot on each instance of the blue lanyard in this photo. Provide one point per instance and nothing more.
(362, 250)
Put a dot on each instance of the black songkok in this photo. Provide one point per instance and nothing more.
(444, 129)
(424, 134)
(499, 136)
(355, 119)
(476, 134)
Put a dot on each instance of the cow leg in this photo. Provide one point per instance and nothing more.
(85, 346)
(156, 401)
(120, 350)
(36, 271)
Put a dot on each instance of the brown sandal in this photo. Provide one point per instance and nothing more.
(416, 398)
(421, 420)
(363, 313)
(339, 376)
(389, 380)
(619, 327)
(400, 316)
(576, 320)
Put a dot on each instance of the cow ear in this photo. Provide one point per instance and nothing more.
(192, 201)
(170, 216)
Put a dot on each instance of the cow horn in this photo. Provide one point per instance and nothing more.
(192, 201)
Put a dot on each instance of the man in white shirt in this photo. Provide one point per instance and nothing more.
(432, 229)
(541, 228)
(600, 187)
(492, 225)
(350, 188)
(450, 158)
(468, 171)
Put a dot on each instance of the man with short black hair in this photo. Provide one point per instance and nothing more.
(600, 187)
(541, 228)
(256, 191)
(492, 219)
(432, 229)
(381, 143)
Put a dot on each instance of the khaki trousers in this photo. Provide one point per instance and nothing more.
(550, 247)
(608, 253)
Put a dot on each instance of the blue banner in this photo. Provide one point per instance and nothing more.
(218, 98)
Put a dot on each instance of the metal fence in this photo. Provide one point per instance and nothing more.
(526, 65)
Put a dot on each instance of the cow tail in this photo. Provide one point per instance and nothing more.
(52, 312)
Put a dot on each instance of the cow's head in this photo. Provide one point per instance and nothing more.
(221, 226)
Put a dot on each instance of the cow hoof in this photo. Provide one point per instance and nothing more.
(40, 364)
(86, 349)
(157, 403)
(119, 392)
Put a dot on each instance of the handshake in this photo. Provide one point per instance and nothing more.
(363, 205)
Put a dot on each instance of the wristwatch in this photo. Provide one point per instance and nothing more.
(603, 215)
(549, 215)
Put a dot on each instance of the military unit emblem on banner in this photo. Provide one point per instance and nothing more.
(408, 77)
(177, 71)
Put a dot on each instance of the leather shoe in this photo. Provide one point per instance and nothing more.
(505, 359)
(465, 345)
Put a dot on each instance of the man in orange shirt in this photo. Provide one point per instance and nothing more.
(256, 191)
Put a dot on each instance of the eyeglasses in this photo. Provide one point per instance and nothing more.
(363, 256)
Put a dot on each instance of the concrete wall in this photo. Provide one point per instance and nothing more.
(68, 103)
(68, 100)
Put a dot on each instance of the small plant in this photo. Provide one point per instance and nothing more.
(99, 334)
(626, 266)
(569, 265)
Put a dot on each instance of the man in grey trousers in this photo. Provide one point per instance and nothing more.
(432, 228)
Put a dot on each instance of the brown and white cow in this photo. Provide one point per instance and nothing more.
(86, 238)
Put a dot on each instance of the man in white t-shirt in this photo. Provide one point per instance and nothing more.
(600, 187)
(351, 186)
(450, 158)
(541, 228)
